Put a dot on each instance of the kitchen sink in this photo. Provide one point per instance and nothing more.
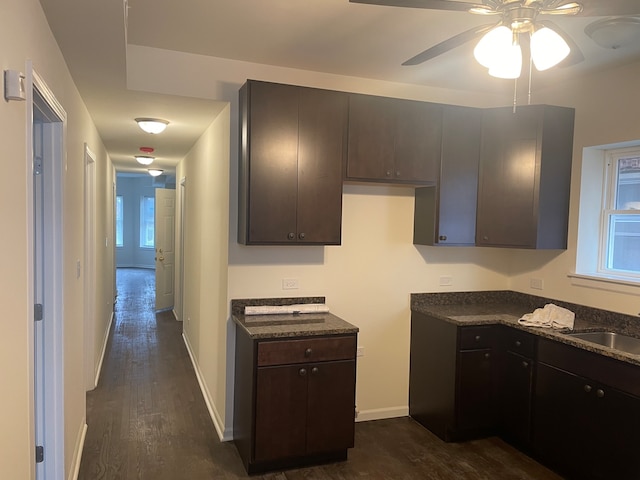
(612, 340)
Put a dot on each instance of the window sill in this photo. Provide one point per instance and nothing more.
(605, 282)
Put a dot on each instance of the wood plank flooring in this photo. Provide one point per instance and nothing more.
(147, 419)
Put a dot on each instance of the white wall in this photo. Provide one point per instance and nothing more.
(25, 21)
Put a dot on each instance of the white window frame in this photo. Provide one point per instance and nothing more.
(610, 192)
(142, 224)
(119, 225)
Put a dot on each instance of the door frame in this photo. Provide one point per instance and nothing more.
(91, 373)
(47, 404)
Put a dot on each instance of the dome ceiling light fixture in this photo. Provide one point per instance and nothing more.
(144, 159)
(614, 33)
(154, 172)
(152, 125)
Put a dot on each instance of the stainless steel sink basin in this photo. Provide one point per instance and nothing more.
(612, 340)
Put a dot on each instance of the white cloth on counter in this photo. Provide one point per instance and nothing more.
(551, 316)
(286, 309)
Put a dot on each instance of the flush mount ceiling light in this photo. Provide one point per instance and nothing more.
(152, 125)
(614, 33)
(154, 172)
(145, 159)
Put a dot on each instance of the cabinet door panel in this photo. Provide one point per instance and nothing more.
(281, 409)
(331, 412)
(474, 397)
(371, 132)
(515, 413)
(273, 170)
(322, 134)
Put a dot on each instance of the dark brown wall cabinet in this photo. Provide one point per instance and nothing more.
(293, 145)
(393, 140)
(451, 376)
(586, 421)
(445, 213)
(525, 175)
(295, 400)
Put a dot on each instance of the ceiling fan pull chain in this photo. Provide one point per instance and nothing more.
(530, 76)
(515, 94)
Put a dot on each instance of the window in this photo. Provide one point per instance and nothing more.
(119, 221)
(620, 225)
(147, 220)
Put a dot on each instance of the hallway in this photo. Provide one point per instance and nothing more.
(148, 421)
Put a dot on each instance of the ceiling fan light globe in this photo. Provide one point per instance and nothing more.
(548, 48)
(492, 45)
(509, 64)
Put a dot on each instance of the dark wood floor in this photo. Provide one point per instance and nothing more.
(147, 419)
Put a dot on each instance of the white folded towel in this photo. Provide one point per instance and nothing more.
(551, 316)
(286, 309)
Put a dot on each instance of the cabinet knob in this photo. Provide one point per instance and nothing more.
(388, 173)
(302, 372)
(487, 355)
(587, 388)
(518, 343)
(291, 236)
(308, 352)
(525, 364)
(442, 238)
(485, 237)
(301, 236)
(314, 371)
(477, 338)
(600, 393)
(397, 173)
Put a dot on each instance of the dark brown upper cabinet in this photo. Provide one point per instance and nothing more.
(292, 151)
(445, 213)
(393, 140)
(525, 176)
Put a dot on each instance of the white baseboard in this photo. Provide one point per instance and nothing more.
(175, 315)
(104, 351)
(224, 434)
(74, 471)
(382, 413)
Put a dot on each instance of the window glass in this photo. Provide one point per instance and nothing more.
(119, 221)
(147, 220)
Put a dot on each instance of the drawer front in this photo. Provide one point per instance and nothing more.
(473, 338)
(322, 349)
(519, 342)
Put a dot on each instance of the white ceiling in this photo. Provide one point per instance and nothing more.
(332, 36)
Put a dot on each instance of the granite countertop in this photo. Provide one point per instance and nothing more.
(289, 325)
(505, 308)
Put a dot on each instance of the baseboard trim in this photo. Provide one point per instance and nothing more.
(382, 413)
(104, 351)
(223, 434)
(74, 471)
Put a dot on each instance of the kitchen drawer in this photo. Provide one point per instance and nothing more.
(519, 342)
(473, 338)
(282, 352)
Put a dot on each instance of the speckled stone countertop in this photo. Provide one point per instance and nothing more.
(277, 326)
(506, 307)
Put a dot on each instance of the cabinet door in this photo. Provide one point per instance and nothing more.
(371, 138)
(509, 175)
(321, 154)
(273, 162)
(417, 141)
(474, 397)
(281, 411)
(331, 407)
(516, 391)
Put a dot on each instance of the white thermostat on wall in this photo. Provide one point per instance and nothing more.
(14, 85)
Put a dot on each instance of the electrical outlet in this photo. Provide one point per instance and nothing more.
(536, 283)
(360, 352)
(446, 280)
(290, 284)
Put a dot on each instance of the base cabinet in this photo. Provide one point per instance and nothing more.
(294, 400)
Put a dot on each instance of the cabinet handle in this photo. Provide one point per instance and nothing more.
(314, 371)
(600, 393)
(587, 388)
(302, 235)
(308, 352)
(291, 236)
(487, 355)
(442, 238)
(518, 343)
(525, 364)
(302, 372)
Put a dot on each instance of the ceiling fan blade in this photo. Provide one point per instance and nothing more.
(428, 4)
(450, 44)
(575, 55)
(609, 8)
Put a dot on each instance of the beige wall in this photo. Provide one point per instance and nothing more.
(24, 34)
(204, 308)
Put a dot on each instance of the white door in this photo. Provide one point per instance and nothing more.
(165, 212)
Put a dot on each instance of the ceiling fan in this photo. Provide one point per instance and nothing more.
(518, 21)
